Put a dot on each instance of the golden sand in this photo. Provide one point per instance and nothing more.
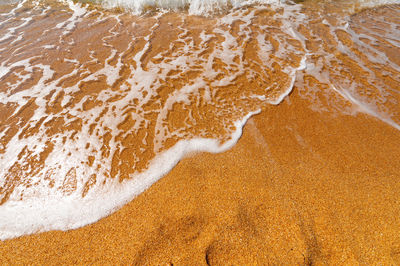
(300, 187)
(305, 184)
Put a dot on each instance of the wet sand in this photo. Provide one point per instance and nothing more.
(300, 187)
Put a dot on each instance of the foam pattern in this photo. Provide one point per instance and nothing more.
(100, 105)
(96, 105)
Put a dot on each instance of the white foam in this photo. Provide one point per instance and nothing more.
(195, 7)
(283, 95)
(11, 31)
(3, 71)
(78, 12)
(206, 7)
(375, 3)
(62, 213)
(365, 108)
(46, 207)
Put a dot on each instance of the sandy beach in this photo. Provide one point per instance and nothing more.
(104, 102)
(300, 187)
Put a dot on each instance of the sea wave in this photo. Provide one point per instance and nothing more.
(194, 7)
(99, 105)
(207, 7)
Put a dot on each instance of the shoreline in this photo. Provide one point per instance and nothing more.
(298, 187)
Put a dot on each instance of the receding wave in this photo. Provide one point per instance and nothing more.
(207, 7)
(194, 7)
(95, 105)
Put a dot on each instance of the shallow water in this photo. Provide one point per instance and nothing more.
(96, 104)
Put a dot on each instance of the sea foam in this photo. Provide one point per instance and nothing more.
(82, 139)
(103, 104)
(207, 7)
(195, 7)
(43, 214)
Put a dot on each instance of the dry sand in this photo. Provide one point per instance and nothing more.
(300, 187)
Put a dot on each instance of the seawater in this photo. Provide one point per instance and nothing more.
(100, 99)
